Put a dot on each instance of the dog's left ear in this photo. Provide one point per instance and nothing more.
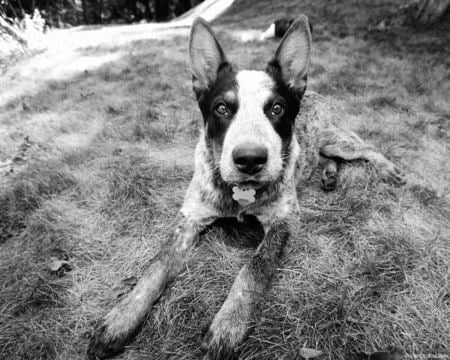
(205, 54)
(293, 55)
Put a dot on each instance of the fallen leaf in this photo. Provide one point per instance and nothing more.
(124, 287)
(59, 253)
(25, 107)
(131, 281)
(116, 292)
(396, 354)
(18, 158)
(56, 264)
(385, 356)
(111, 110)
(307, 353)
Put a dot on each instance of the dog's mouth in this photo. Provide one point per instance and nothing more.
(250, 184)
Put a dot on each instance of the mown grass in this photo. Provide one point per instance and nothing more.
(367, 266)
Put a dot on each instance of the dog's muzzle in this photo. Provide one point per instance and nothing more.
(250, 159)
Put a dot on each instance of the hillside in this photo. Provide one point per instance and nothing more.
(99, 131)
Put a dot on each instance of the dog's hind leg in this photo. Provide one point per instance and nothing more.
(344, 144)
(230, 325)
(119, 326)
(328, 174)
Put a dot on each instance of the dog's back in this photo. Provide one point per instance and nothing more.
(316, 114)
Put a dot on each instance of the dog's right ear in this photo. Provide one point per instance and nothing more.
(293, 55)
(205, 54)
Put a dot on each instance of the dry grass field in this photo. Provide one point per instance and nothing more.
(110, 154)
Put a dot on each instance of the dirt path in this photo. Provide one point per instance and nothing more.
(69, 54)
(63, 57)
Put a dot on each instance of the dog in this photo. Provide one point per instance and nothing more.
(262, 134)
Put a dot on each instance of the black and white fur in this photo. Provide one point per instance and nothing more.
(262, 133)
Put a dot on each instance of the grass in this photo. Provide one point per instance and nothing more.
(112, 153)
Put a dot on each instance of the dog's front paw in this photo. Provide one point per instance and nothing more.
(227, 331)
(217, 347)
(391, 173)
(107, 340)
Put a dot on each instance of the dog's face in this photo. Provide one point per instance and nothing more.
(249, 116)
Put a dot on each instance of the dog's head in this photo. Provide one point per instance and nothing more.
(249, 116)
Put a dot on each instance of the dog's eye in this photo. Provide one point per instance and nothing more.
(277, 109)
(222, 109)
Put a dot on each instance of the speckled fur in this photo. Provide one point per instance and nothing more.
(209, 197)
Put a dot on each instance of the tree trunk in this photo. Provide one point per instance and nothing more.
(48, 14)
(161, 10)
(100, 11)
(430, 11)
(182, 6)
(148, 12)
(94, 11)
(84, 8)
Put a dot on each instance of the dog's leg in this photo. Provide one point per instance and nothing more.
(230, 325)
(117, 328)
(329, 173)
(336, 142)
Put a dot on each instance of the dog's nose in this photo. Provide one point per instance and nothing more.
(250, 158)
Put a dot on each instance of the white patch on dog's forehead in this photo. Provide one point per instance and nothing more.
(253, 86)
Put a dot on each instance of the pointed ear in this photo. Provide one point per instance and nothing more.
(293, 54)
(205, 54)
